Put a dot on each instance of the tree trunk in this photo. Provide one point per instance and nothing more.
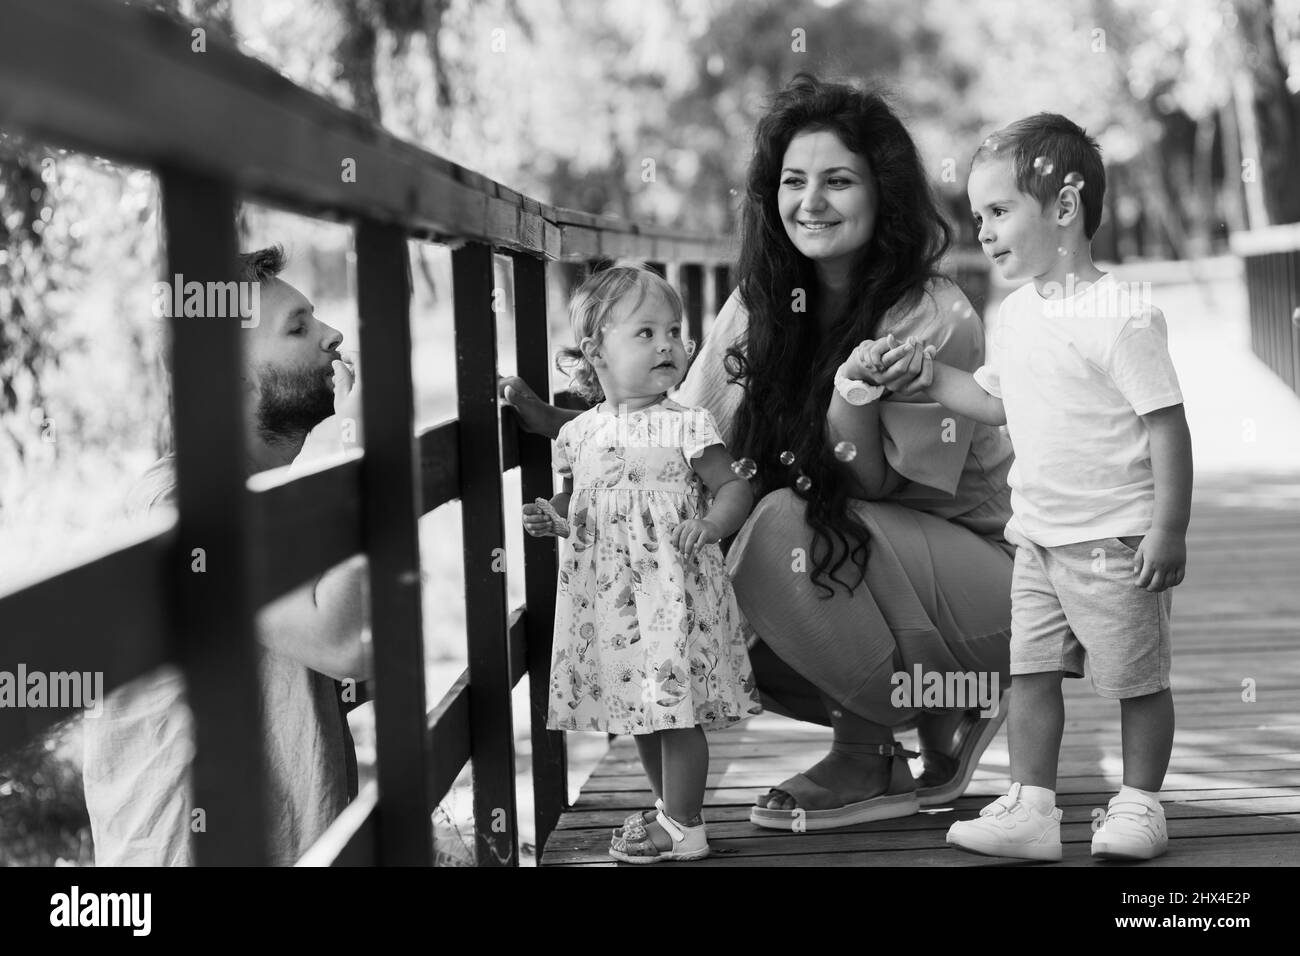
(356, 53)
(1274, 113)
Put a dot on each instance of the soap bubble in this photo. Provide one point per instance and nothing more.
(1074, 179)
(787, 458)
(846, 451)
(803, 483)
(1043, 166)
(745, 468)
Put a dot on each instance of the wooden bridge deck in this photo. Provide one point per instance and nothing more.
(1232, 795)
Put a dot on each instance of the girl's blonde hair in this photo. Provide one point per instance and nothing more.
(589, 311)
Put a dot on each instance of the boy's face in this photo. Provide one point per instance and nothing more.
(1019, 235)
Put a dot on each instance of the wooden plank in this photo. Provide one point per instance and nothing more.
(391, 507)
(439, 465)
(439, 449)
(516, 628)
(117, 626)
(483, 532)
(1185, 821)
(1076, 808)
(213, 607)
(353, 838)
(541, 567)
(304, 527)
(1268, 850)
(746, 842)
(448, 732)
(628, 800)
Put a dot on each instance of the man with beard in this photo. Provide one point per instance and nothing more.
(138, 751)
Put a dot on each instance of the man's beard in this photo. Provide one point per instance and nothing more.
(292, 402)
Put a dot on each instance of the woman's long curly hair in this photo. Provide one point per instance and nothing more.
(786, 363)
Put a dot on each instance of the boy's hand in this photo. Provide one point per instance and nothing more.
(1161, 561)
(693, 534)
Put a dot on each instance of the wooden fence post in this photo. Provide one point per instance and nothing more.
(483, 532)
(391, 508)
(533, 349)
(213, 612)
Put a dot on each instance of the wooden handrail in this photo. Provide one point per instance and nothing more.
(124, 84)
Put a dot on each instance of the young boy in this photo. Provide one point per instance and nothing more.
(1079, 371)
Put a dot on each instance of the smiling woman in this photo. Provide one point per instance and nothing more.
(827, 201)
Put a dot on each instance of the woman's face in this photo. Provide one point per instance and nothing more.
(827, 198)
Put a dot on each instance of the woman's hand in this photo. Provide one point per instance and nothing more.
(922, 360)
(887, 362)
(534, 415)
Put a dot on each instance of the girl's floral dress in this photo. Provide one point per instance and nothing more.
(643, 640)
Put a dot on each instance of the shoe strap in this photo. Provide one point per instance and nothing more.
(670, 826)
(895, 749)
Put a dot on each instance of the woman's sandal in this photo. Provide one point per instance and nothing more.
(899, 800)
(636, 846)
(947, 776)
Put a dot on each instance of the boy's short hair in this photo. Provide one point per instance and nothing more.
(1043, 150)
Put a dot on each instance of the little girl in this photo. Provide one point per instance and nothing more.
(647, 632)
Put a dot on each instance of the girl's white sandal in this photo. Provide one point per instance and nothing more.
(689, 843)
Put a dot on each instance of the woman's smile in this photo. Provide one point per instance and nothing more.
(827, 198)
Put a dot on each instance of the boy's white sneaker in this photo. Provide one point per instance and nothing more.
(1133, 830)
(1012, 828)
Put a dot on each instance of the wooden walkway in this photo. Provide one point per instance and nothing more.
(1232, 795)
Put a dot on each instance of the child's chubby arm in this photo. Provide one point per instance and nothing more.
(1161, 559)
(956, 389)
(539, 524)
(732, 501)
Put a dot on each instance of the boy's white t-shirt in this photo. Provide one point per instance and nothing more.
(1074, 375)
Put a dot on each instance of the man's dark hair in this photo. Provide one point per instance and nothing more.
(261, 264)
(1043, 150)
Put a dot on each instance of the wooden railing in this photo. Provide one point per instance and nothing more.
(1272, 261)
(218, 127)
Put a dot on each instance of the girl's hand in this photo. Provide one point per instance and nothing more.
(534, 414)
(537, 522)
(693, 534)
(541, 519)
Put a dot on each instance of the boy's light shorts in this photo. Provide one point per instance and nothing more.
(1078, 600)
